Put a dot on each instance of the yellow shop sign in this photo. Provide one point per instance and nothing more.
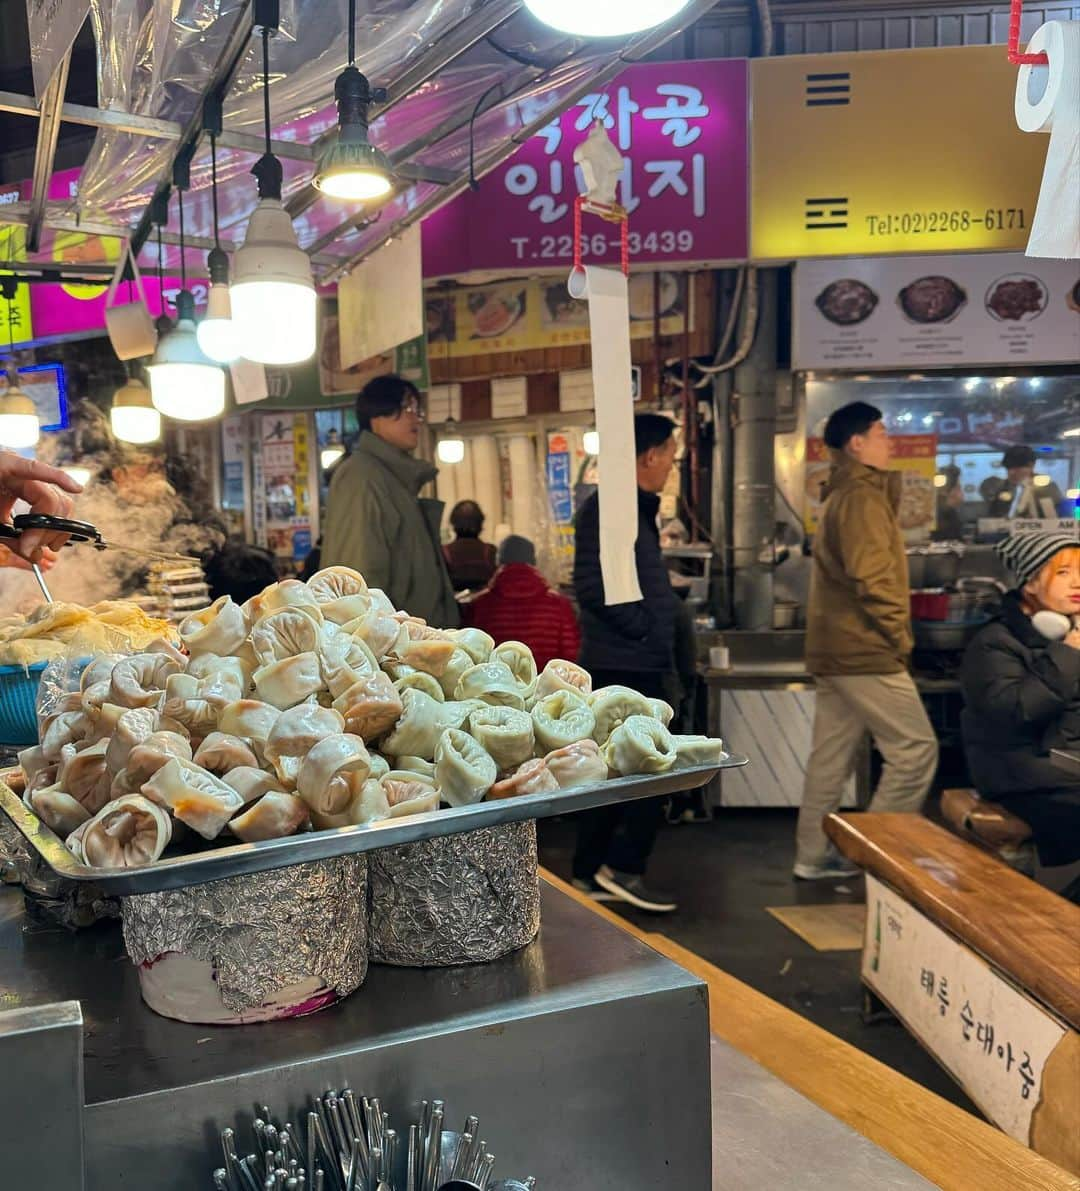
(888, 152)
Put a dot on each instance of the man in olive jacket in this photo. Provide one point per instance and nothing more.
(377, 522)
(858, 642)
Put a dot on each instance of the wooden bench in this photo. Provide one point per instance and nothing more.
(982, 965)
(948, 1146)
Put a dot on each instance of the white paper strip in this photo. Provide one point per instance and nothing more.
(248, 381)
(609, 331)
(381, 302)
(487, 480)
(523, 486)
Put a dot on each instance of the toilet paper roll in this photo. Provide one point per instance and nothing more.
(1048, 100)
(487, 481)
(609, 332)
(523, 486)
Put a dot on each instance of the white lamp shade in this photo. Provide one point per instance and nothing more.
(604, 18)
(135, 425)
(184, 384)
(274, 304)
(590, 440)
(450, 450)
(19, 422)
(216, 332)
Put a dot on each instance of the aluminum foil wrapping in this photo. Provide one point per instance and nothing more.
(459, 899)
(263, 932)
(73, 904)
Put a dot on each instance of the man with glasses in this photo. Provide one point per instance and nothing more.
(377, 522)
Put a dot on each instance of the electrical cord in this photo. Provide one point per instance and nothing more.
(213, 185)
(474, 182)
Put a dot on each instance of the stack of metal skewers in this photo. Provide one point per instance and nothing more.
(349, 1146)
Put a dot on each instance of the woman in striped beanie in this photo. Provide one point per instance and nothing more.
(1021, 683)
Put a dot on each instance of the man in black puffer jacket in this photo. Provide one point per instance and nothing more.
(1022, 694)
(628, 645)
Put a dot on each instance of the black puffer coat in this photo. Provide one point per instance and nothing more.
(1022, 698)
(637, 636)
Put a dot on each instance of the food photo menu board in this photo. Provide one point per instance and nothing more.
(936, 311)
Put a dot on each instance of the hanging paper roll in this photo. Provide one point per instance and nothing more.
(1048, 100)
(523, 486)
(609, 330)
(487, 482)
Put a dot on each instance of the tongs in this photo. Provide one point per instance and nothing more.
(77, 531)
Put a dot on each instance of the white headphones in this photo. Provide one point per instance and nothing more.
(1054, 626)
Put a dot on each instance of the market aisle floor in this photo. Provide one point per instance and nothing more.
(724, 874)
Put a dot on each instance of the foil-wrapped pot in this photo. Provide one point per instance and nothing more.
(72, 904)
(458, 899)
(260, 947)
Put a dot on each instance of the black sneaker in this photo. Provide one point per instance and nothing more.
(630, 888)
(591, 889)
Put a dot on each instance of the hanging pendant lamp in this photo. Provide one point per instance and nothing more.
(451, 446)
(216, 332)
(604, 18)
(274, 305)
(184, 383)
(20, 426)
(351, 167)
(133, 416)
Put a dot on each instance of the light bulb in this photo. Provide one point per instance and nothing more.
(216, 332)
(590, 440)
(450, 450)
(604, 18)
(1041, 481)
(350, 166)
(274, 304)
(81, 475)
(133, 416)
(330, 454)
(184, 384)
(19, 422)
(940, 480)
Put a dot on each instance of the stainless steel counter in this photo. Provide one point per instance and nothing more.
(586, 1051)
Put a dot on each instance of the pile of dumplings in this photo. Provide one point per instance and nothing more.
(317, 706)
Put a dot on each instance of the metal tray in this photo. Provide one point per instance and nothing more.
(213, 864)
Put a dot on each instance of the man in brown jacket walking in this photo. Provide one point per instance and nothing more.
(858, 642)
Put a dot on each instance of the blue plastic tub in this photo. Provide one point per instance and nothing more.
(18, 703)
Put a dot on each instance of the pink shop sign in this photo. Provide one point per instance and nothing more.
(681, 127)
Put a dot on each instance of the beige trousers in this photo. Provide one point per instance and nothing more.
(848, 705)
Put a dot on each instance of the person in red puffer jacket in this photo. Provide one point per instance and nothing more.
(518, 605)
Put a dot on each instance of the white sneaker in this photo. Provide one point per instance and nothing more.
(832, 868)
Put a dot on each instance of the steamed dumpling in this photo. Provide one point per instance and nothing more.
(371, 706)
(640, 744)
(68, 728)
(284, 634)
(561, 675)
(409, 793)
(332, 773)
(289, 593)
(185, 704)
(577, 764)
(490, 682)
(697, 750)
(289, 681)
(561, 718)
(274, 816)
(476, 643)
(463, 770)
(227, 672)
(251, 783)
(612, 705)
(422, 723)
(146, 758)
(125, 834)
(379, 765)
(341, 593)
(519, 658)
(250, 719)
(220, 752)
(295, 733)
(58, 810)
(505, 733)
(204, 802)
(418, 765)
(368, 805)
(419, 681)
(662, 711)
(218, 629)
(533, 777)
(85, 775)
(378, 630)
(140, 680)
(424, 648)
(135, 725)
(460, 661)
(344, 659)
